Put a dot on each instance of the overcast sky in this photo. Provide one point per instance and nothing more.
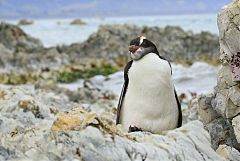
(86, 8)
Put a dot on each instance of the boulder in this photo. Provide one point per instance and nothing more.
(106, 142)
(12, 37)
(229, 153)
(222, 109)
(78, 22)
(24, 22)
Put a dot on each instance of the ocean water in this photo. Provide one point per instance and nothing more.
(54, 32)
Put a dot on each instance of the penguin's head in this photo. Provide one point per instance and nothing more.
(140, 46)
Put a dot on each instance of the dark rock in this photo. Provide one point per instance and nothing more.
(24, 22)
(221, 132)
(77, 22)
(111, 42)
(12, 37)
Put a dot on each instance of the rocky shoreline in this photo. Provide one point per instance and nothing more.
(173, 42)
(24, 56)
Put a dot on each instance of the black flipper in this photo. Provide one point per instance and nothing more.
(179, 110)
(124, 89)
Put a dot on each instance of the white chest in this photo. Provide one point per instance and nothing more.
(150, 102)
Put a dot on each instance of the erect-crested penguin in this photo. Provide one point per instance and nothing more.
(148, 99)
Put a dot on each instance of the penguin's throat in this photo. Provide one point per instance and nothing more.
(140, 52)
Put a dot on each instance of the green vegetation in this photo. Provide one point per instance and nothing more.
(66, 74)
(15, 79)
(69, 75)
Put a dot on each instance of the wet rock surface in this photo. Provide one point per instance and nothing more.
(223, 107)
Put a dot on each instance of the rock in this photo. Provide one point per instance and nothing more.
(229, 153)
(235, 67)
(146, 145)
(6, 54)
(110, 42)
(236, 127)
(30, 105)
(224, 105)
(12, 37)
(190, 113)
(221, 132)
(77, 22)
(24, 99)
(206, 113)
(69, 121)
(73, 133)
(219, 128)
(24, 22)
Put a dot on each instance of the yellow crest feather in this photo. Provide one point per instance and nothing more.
(141, 39)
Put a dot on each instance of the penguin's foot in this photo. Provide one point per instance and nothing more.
(133, 129)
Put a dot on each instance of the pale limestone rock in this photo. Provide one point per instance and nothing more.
(229, 153)
(206, 113)
(234, 95)
(229, 35)
(232, 109)
(224, 76)
(190, 142)
(191, 113)
(221, 101)
(226, 102)
(236, 127)
(81, 135)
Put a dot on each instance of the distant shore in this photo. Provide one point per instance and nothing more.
(42, 28)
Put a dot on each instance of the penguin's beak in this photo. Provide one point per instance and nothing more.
(133, 48)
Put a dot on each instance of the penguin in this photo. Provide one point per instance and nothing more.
(148, 100)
